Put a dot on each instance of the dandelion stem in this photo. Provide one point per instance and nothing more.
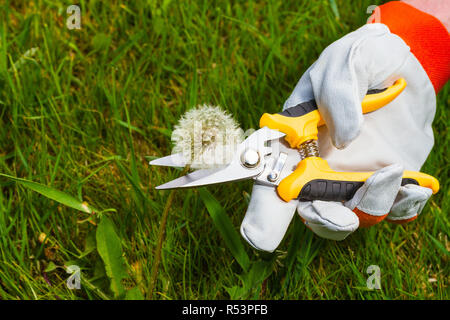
(161, 234)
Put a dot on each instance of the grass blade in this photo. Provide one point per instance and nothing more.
(438, 244)
(110, 250)
(226, 228)
(53, 194)
(134, 294)
(334, 8)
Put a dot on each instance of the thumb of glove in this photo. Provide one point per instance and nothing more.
(340, 78)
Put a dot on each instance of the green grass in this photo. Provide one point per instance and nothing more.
(85, 110)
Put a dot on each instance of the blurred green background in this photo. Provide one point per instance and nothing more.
(81, 112)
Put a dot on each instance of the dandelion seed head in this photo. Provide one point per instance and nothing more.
(207, 136)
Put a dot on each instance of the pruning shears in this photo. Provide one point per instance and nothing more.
(284, 154)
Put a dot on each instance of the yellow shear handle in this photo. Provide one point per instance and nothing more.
(313, 179)
(300, 122)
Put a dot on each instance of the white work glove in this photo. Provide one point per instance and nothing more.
(399, 133)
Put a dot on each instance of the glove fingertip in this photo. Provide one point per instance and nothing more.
(252, 236)
(329, 220)
(402, 221)
(421, 193)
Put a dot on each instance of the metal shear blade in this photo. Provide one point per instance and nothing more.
(248, 162)
(205, 177)
(174, 160)
(185, 181)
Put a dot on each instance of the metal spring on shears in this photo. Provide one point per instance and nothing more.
(309, 148)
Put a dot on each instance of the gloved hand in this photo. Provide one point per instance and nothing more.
(268, 217)
(400, 134)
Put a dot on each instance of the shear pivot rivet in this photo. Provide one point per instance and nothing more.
(250, 158)
(272, 177)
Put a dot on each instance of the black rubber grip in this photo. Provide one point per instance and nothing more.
(375, 91)
(332, 190)
(306, 107)
(300, 109)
